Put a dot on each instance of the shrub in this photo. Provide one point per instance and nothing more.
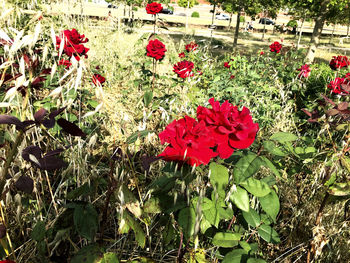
(242, 19)
(292, 23)
(195, 14)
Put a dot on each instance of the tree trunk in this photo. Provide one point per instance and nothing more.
(347, 30)
(330, 40)
(316, 34)
(263, 35)
(229, 24)
(300, 32)
(213, 16)
(235, 40)
(187, 8)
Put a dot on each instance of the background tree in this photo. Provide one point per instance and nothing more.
(187, 4)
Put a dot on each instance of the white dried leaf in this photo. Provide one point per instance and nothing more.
(61, 47)
(22, 66)
(79, 76)
(90, 113)
(53, 70)
(27, 40)
(45, 53)
(56, 92)
(6, 13)
(10, 94)
(36, 33)
(4, 36)
(53, 36)
(5, 104)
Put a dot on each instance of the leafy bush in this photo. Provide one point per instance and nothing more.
(195, 14)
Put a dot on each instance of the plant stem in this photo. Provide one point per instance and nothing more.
(9, 159)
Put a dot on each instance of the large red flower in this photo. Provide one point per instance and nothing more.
(155, 49)
(338, 84)
(97, 78)
(184, 69)
(276, 47)
(64, 62)
(339, 62)
(154, 8)
(73, 43)
(189, 141)
(191, 47)
(231, 127)
(304, 71)
(7, 261)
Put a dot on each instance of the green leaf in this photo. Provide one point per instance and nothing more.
(267, 163)
(273, 149)
(268, 234)
(140, 236)
(85, 189)
(256, 187)
(235, 256)
(252, 217)
(38, 233)
(284, 137)
(204, 225)
(152, 206)
(240, 198)
(270, 204)
(246, 166)
(187, 221)
(86, 220)
(140, 134)
(256, 260)
(340, 189)
(147, 98)
(130, 201)
(219, 177)
(245, 245)
(222, 239)
(89, 254)
(109, 258)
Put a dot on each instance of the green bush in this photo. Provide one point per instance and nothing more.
(134, 8)
(242, 19)
(292, 23)
(195, 14)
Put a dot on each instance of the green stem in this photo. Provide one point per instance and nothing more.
(9, 159)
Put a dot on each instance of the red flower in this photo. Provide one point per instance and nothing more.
(184, 69)
(230, 127)
(199, 72)
(155, 49)
(232, 76)
(182, 55)
(73, 43)
(304, 71)
(189, 141)
(7, 261)
(64, 62)
(227, 65)
(339, 62)
(97, 78)
(262, 53)
(276, 47)
(337, 85)
(154, 8)
(191, 47)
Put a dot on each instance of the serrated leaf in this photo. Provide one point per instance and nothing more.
(140, 236)
(187, 221)
(86, 221)
(340, 189)
(152, 206)
(147, 98)
(283, 137)
(268, 234)
(270, 204)
(219, 177)
(222, 239)
(235, 256)
(273, 149)
(39, 231)
(255, 260)
(252, 217)
(109, 258)
(89, 254)
(256, 187)
(240, 198)
(267, 163)
(140, 134)
(247, 166)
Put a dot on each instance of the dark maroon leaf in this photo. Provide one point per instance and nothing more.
(54, 113)
(40, 115)
(26, 60)
(51, 163)
(46, 71)
(8, 119)
(7, 77)
(345, 112)
(306, 112)
(25, 184)
(328, 100)
(345, 87)
(70, 128)
(146, 161)
(38, 82)
(49, 123)
(2, 231)
(28, 123)
(343, 106)
(54, 152)
(31, 150)
(332, 112)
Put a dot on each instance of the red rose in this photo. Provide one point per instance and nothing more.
(227, 65)
(337, 85)
(276, 47)
(73, 43)
(155, 49)
(7, 261)
(199, 72)
(97, 78)
(64, 62)
(262, 53)
(339, 62)
(182, 55)
(232, 76)
(191, 47)
(184, 69)
(154, 8)
(189, 141)
(304, 71)
(230, 127)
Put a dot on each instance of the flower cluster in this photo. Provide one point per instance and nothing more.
(340, 86)
(339, 62)
(154, 8)
(182, 55)
(218, 131)
(191, 47)
(276, 47)
(304, 71)
(156, 49)
(73, 43)
(184, 69)
(227, 65)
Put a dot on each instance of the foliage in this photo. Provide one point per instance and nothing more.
(195, 14)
